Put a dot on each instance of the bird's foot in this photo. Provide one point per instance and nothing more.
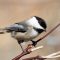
(34, 43)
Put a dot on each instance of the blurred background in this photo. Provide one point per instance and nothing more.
(12, 11)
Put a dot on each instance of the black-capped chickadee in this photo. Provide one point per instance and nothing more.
(27, 30)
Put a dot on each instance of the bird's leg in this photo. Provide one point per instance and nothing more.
(19, 42)
(21, 47)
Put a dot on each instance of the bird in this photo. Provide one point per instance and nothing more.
(26, 30)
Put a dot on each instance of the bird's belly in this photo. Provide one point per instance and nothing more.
(26, 36)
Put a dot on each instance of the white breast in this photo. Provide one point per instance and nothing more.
(33, 33)
(30, 34)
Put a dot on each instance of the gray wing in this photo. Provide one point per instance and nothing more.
(17, 27)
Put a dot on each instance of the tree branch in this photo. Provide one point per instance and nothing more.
(25, 52)
(35, 58)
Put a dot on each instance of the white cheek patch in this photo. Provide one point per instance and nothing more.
(33, 22)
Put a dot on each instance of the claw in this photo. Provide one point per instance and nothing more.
(34, 43)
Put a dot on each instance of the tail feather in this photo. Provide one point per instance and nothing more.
(2, 31)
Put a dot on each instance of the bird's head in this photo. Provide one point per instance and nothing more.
(42, 24)
(38, 24)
